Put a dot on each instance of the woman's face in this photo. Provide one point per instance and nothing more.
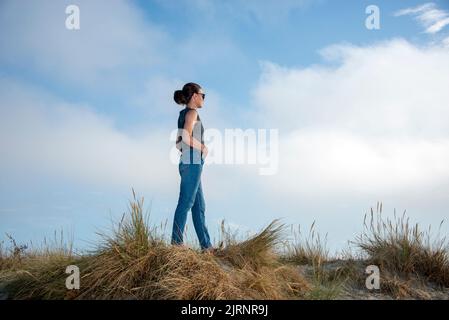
(199, 100)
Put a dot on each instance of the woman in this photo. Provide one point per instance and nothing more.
(193, 151)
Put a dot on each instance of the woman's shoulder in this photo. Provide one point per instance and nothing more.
(186, 112)
(191, 113)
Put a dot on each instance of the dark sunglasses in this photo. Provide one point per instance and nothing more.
(203, 95)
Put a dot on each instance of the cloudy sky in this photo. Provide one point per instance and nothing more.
(86, 115)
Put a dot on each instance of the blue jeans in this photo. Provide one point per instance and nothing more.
(191, 197)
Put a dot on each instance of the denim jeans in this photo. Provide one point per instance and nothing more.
(191, 198)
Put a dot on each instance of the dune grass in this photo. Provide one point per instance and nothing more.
(37, 272)
(136, 261)
(402, 249)
(311, 252)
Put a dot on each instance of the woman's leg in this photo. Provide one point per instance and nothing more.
(190, 180)
(199, 220)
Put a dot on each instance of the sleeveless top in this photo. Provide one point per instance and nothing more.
(197, 133)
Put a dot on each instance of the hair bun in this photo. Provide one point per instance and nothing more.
(179, 97)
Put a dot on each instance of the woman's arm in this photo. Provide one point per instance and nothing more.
(187, 132)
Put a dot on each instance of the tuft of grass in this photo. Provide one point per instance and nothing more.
(310, 252)
(400, 288)
(256, 251)
(307, 250)
(132, 237)
(127, 262)
(38, 272)
(398, 247)
(257, 267)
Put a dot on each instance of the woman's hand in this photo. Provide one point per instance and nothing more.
(204, 151)
(178, 143)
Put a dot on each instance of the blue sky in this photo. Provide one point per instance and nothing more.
(86, 114)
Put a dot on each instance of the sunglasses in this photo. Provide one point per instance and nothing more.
(203, 95)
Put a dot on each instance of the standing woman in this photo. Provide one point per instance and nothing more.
(190, 142)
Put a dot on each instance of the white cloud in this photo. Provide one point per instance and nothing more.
(43, 135)
(156, 100)
(415, 10)
(340, 162)
(382, 89)
(374, 124)
(432, 18)
(446, 42)
(113, 39)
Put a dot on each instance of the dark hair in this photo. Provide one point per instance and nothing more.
(183, 96)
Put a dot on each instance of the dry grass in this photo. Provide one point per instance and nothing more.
(400, 248)
(37, 272)
(400, 288)
(310, 252)
(256, 251)
(134, 261)
(307, 250)
(11, 258)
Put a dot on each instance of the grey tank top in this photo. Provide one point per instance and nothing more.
(198, 129)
